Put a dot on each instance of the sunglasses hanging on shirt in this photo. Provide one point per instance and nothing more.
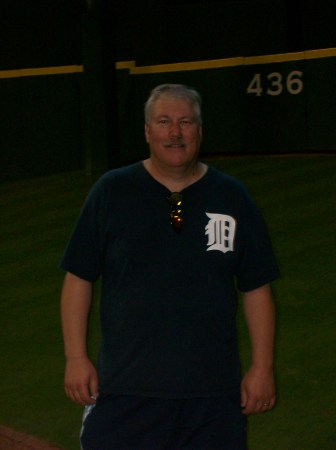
(175, 201)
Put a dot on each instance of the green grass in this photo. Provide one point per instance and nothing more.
(297, 197)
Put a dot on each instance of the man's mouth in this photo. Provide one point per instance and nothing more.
(174, 145)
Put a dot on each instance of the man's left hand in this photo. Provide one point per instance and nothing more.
(257, 391)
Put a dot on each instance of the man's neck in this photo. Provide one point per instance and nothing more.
(176, 178)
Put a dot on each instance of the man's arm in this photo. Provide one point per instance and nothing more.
(81, 380)
(258, 386)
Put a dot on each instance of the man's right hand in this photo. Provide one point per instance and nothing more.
(81, 381)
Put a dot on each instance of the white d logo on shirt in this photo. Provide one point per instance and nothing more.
(221, 232)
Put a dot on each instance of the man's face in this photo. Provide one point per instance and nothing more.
(172, 133)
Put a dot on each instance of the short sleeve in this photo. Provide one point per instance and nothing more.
(257, 264)
(84, 254)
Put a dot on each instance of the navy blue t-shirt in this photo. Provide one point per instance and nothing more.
(168, 299)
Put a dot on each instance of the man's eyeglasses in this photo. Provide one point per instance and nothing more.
(175, 201)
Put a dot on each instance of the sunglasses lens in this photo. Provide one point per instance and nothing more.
(176, 220)
(175, 200)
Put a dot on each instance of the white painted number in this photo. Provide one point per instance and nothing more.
(276, 83)
(294, 84)
(255, 86)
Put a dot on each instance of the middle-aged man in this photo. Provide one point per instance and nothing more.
(171, 239)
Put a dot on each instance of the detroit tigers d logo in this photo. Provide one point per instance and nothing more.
(221, 232)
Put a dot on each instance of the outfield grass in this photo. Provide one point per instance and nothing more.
(297, 197)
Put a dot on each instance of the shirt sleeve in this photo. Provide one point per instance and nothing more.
(84, 254)
(257, 263)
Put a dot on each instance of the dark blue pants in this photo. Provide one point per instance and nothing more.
(121, 422)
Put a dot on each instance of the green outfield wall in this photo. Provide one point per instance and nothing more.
(52, 119)
(282, 103)
(40, 121)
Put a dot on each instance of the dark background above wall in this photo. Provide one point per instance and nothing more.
(40, 33)
(43, 33)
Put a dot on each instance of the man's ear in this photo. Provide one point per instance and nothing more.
(147, 133)
(200, 132)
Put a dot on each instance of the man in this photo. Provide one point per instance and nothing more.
(170, 239)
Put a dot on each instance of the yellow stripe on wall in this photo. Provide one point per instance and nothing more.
(178, 67)
(59, 70)
(227, 62)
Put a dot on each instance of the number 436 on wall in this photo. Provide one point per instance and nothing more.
(276, 84)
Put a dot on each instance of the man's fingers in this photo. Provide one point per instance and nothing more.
(94, 388)
(80, 395)
(254, 406)
(243, 399)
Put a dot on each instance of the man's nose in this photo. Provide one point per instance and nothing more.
(175, 129)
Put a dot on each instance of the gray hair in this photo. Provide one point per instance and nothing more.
(179, 91)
